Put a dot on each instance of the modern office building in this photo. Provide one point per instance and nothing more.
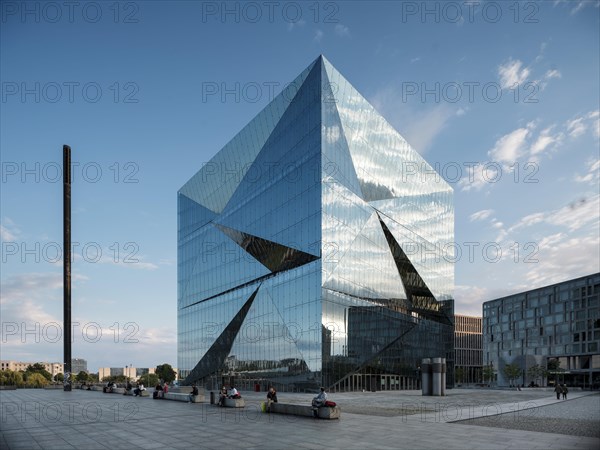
(558, 322)
(78, 365)
(315, 249)
(468, 349)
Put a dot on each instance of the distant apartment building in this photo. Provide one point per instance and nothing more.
(128, 371)
(560, 322)
(53, 368)
(468, 349)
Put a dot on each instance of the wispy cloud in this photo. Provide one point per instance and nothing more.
(481, 215)
(512, 73)
(318, 36)
(592, 176)
(342, 30)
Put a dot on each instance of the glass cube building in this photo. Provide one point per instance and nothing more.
(313, 250)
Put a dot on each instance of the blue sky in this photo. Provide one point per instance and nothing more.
(503, 97)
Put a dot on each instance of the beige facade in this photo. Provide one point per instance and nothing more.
(468, 349)
(54, 368)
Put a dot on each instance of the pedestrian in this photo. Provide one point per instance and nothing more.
(564, 391)
(558, 391)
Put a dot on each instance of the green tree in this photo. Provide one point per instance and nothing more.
(39, 368)
(82, 376)
(554, 368)
(149, 379)
(488, 373)
(36, 380)
(512, 371)
(11, 378)
(536, 372)
(165, 372)
(59, 377)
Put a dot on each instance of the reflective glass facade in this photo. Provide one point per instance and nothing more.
(311, 249)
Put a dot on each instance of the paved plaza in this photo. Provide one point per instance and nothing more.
(482, 419)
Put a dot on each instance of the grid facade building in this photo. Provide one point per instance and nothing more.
(468, 349)
(310, 250)
(558, 322)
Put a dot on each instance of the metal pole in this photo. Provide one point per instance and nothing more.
(67, 266)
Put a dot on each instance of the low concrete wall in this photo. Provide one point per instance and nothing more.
(234, 403)
(183, 397)
(324, 412)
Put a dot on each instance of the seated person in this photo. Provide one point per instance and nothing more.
(222, 396)
(138, 390)
(271, 398)
(319, 401)
(157, 391)
(128, 388)
(233, 393)
(193, 393)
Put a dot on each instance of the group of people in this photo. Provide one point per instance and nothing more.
(231, 393)
(317, 402)
(561, 390)
(160, 390)
(110, 387)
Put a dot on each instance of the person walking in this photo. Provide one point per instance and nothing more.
(564, 391)
(558, 391)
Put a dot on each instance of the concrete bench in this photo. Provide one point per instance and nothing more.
(117, 391)
(324, 412)
(234, 403)
(97, 388)
(142, 394)
(183, 397)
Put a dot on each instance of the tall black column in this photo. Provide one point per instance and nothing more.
(67, 266)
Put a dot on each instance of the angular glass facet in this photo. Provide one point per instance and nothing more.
(342, 233)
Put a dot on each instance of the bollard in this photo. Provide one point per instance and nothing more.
(212, 398)
(444, 369)
(436, 377)
(426, 376)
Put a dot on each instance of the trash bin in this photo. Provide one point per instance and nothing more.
(212, 398)
(257, 387)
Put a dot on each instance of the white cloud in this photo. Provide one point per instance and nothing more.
(552, 73)
(510, 147)
(481, 215)
(546, 140)
(576, 127)
(9, 232)
(318, 36)
(559, 258)
(573, 217)
(477, 177)
(342, 30)
(512, 72)
(593, 173)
